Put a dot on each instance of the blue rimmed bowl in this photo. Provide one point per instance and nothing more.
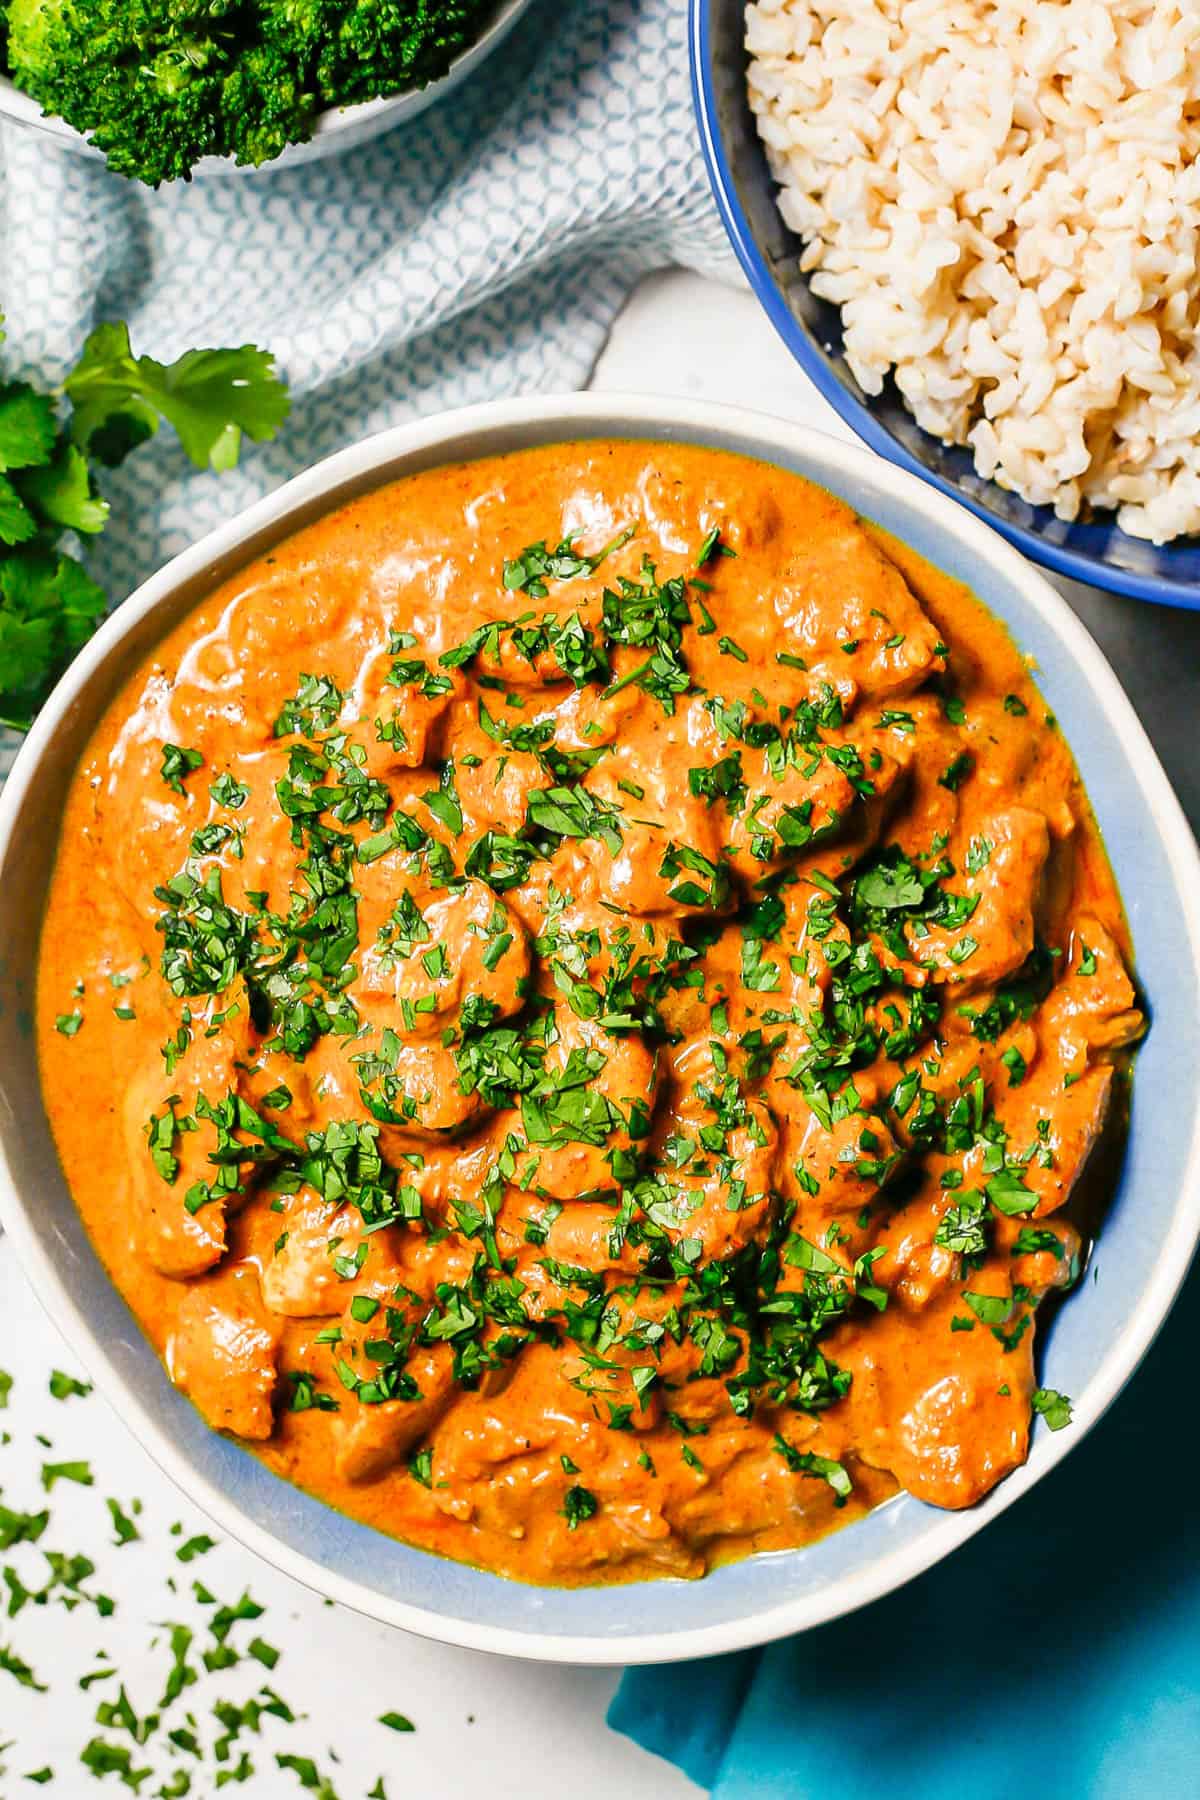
(1097, 1338)
(1095, 551)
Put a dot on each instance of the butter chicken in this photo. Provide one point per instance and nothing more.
(576, 1002)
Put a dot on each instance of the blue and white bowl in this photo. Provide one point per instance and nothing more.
(1097, 1338)
(1095, 551)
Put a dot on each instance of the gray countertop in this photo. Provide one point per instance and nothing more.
(1155, 651)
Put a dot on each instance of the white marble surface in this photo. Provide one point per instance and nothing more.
(483, 1726)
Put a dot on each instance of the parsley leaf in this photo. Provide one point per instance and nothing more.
(28, 427)
(177, 764)
(63, 1387)
(579, 1504)
(1052, 1406)
(49, 605)
(823, 1468)
(210, 397)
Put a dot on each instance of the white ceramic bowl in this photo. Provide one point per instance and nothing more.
(1095, 1341)
(340, 128)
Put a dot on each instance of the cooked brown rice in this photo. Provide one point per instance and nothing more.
(1003, 197)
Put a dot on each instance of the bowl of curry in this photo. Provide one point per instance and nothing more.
(570, 1026)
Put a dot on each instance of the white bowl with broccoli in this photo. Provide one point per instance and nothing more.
(265, 113)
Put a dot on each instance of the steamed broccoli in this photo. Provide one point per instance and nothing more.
(161, 83)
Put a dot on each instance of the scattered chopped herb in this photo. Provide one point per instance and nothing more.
(196, 1546)
(823, 1468)
(127, 1532)
(1052, 1406)
(80, 1472)
(63, 1387)
(578, 1505)
(177, 764)
(956, 772)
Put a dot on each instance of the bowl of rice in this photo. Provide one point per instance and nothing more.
(976, 224)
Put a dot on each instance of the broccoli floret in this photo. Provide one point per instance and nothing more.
(161, 83)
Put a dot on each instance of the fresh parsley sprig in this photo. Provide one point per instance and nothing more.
(49, 604)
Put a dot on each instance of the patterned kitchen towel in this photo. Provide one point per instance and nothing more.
(1055, 1657)
(480, 251)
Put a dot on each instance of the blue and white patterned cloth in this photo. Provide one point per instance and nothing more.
(480, 251)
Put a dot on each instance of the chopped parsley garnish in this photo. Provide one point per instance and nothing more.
(177, 764)
(822, 1468)
(578, 1506)
(66, 1387)
(80, 1472)
(956, 771)
(532, 571)
(1052, 1406)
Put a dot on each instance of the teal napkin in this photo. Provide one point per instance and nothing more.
(1056, 1654)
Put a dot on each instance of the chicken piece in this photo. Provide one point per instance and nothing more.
(1093, 1007)
(589, 718)
(298, 1277)
(447, 1177)
(279, 1089)
(410, 1089)
(594, 1102)
(494, 793)
(230, 686)
(1057, 1128)
(193, 827)
(916, 1268)
(844, 1164)
(747, 1488)
(373, 1437)
(506, 658)
(720, 1197)
(426, 953)
(683, 513)
(222, 1355)
(887, 768)
(485, 1434)
(1057, 1113)
(947, 1412)
(777, 818)
(165, 1162)
(579, 1236)
(960, 1436)
(1002, 926)
(257, 858)
(406, 699)
(847, 610)
(240, 675)
(1040, 1271)
(664, 828)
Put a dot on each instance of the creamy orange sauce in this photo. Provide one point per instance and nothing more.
(608, 1093)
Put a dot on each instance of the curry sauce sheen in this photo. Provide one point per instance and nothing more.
(575, 1002)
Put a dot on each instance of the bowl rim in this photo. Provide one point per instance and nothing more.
(331, 121)
(859, 416)
(455, 436)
